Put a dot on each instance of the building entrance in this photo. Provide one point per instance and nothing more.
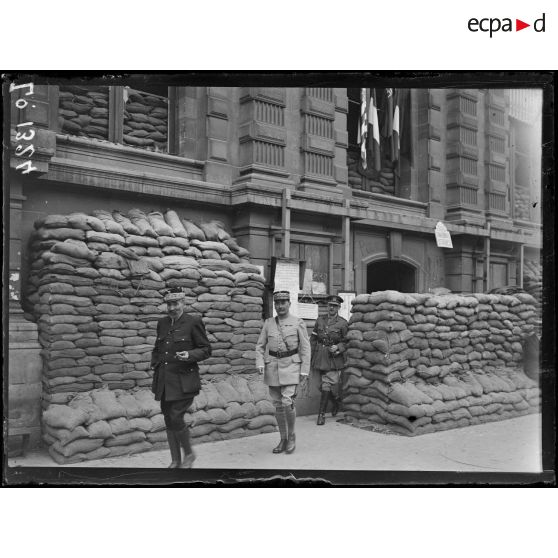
(389, 275)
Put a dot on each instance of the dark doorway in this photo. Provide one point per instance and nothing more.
(388, 275)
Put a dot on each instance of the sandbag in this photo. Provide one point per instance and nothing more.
(126, 224)
(157, 222)
(60, 416)
(173, 220)
(139, 218)
(194, 232)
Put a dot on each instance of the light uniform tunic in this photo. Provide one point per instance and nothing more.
(283, 371)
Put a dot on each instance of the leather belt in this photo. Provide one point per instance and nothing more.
(282, 354)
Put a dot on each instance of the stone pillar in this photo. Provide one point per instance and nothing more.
(25, 387)
(265, 156)
(496, 158)
(32, 107)
(429, 156)
(318, 139)
(464, 157)
(24, 358)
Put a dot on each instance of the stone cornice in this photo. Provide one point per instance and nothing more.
(87, 173)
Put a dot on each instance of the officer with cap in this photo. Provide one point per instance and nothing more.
(328, 345)
(283, 357)
(181, 343)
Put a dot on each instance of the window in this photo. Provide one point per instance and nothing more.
(498, 275)
(315, 267)
(84, 111)
(141, 118)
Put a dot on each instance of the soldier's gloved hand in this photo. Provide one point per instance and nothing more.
(260, 370)
(333, 349)
(303, 384)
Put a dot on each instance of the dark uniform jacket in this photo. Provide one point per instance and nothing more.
(176, 379)
(323, 336)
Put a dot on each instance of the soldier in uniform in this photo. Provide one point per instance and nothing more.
(328, 345)
(181, 343)
(283, 357)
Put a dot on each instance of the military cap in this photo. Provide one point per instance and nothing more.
(174, 293)
(281, 295)
(334, 299)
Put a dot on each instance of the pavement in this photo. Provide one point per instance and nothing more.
(512, 445)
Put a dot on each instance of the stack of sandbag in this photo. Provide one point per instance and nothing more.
(109, 423)
(522, 203)
(423, 362)
(355, 177)
(369, 180)
(532, 282)
(83, 111)
(146, 120)
(95, 290)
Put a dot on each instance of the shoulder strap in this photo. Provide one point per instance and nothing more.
(280, 331)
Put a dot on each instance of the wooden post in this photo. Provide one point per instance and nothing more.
(347, 247)
(521, 263)
(487, 260)
(286, 222)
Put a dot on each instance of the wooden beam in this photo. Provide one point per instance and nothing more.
(347, 246)
(286, 222)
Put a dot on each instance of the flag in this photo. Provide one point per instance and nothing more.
(395, 128)
(363, 129)
(374, 131)
(401, 138)
(388, 120)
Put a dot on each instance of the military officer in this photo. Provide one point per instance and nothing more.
(181, 343)
(283, 357)
(328, 345)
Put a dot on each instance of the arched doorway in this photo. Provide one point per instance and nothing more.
(390, 275)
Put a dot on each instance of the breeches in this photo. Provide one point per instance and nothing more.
(174, 411)
(283, 396)
(330, 381)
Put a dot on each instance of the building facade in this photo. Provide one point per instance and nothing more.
(282, 168)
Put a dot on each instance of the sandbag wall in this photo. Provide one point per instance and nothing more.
(95, 289)
(109, 423)
(532, 282)
(83, 111)
(145, 120)
(420, 362)
(381, 182)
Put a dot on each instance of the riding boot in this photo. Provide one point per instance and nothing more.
(334, 404)
(282, 424)
(291, 438)
(174, 447)
(323, 407)
(183, 438)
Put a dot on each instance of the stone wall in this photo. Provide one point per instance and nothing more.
(418, 363)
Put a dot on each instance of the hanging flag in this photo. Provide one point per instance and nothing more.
(405, 143)
(374, 131)
(401, 139)
(395, 128)
(363, 130)
(387, 127)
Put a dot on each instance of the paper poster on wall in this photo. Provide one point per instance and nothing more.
(307, 311)
(345, 308)
(443, 236)
(287, 278)
(319, 288)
